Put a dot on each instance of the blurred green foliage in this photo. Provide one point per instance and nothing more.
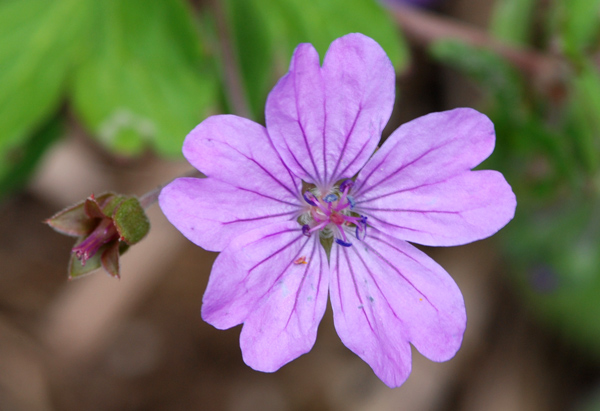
(140, 74)
(267, 31)
(548, 131)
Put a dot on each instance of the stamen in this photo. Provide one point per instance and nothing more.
(361, 227)
(340, 242)
(346, 185)
(306, 230)
(318, 227)
(351, 201)
(307, 197)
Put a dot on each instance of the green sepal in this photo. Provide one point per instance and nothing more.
(131, 221)
(76, 269)
(109, 206)
(110, 259)
(72, 221)
(92, 208)
(105, 258)
(79, 219)
(327, 243)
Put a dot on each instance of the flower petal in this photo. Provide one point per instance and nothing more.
(211, 213)
(419, 186)
(238, 151)
(386, 293)
(274, 280)
(326, 122)
(359, 94)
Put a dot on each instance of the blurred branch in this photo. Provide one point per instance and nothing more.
(231, 72)
(423, 28)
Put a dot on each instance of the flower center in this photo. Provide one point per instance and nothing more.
(332, 216)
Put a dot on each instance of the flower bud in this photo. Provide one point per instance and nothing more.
(105, 227)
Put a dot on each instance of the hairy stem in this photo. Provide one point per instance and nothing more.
(151, 197)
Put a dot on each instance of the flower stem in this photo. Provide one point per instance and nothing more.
(151, 197)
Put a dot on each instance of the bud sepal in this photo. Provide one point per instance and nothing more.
(105, 227)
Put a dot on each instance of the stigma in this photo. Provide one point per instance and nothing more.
(332, 215)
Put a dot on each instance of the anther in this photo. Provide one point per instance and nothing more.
(306, 230)
(308, 197)
(330, 198)
(342, 242)
(351, 200)
(346, 184)
(361, 228)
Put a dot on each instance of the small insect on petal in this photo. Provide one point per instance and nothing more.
(301, 260)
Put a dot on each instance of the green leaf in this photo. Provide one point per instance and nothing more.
(267, 32)
(583, 116)
(144, 81)
(512, 20)
(255, 52)
(39, 40)
(485, 67)
(579, 24)
(20, 161)
(556, 251)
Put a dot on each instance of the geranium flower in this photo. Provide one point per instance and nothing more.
(303, 208)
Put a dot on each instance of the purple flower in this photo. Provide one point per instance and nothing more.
(303, 208)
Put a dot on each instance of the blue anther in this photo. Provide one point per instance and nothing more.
(330, 198)
(342, 242)
(306, 230)
(346, 184)
(308, 200)
(351, 200)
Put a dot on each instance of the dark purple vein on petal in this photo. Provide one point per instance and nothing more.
(286, 268)
(356, 290)
(267, 172)
(393, 267)
(285, 247)
(310, 154)
(325, 178)
(269, 197)
(290, 174)
(314, 180)
(404, 210)
(403, 190)
(337, 264)
(382, 221)
(402, 167)
(312, 254)
(383, 160)
(347, 139)
(366, 266)
(257, 218)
